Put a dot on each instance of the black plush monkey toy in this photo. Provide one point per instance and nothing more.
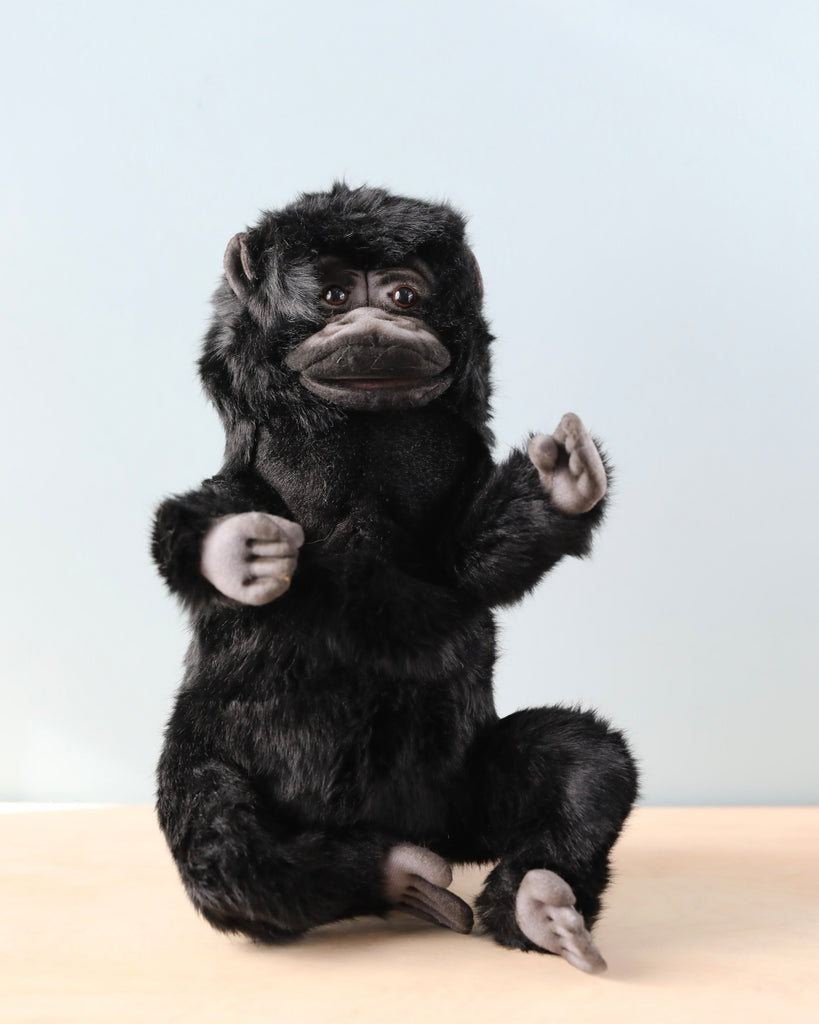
(334, 746)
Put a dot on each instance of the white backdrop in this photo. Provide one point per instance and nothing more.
(641, 180)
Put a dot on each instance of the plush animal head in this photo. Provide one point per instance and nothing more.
(348, 302)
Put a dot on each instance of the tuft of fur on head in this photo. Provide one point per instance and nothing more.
(242, 364)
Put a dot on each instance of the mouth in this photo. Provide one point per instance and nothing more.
(370, 392)
(369, 360)
(374, 383)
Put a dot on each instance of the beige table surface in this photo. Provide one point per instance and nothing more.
(713, 916)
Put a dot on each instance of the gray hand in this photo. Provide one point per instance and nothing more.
(251, 556)
(571, 470)
(416, 881)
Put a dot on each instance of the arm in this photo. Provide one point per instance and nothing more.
(231, 538)
(529, 512)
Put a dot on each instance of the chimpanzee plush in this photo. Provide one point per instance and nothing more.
(334, 746)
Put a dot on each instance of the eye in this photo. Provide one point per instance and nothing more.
(404, 296)
(335, 295)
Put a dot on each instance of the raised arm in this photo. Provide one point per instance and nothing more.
(533, 509)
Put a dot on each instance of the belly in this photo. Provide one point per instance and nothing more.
(351, 714)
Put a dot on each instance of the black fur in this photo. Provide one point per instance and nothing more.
(356, 711)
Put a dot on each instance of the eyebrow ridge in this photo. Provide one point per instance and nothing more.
(401, 272)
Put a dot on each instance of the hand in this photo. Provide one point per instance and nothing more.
(416, 881)
(251, 556)
(571, 470)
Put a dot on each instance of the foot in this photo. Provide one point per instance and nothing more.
(416, 881)
(546, 914)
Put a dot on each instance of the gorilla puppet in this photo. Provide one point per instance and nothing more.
(334, 746)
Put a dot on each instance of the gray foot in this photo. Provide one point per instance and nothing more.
(546, 914)
(416, 880)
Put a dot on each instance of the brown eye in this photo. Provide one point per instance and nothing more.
(404, 296)
(335, 296)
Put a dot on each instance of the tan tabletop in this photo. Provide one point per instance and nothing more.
(713, 916)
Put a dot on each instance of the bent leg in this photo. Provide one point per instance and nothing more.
(248, 870)
(548, 791)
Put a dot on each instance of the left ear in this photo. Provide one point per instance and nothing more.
(238, 268)
(478, 273)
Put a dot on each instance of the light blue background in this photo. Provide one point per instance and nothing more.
(642, 185)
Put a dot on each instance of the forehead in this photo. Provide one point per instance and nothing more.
(346, 266)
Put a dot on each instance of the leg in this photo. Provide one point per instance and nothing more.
(549, 790)
(247, 869)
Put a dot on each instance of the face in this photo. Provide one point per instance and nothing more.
(394, 289)
(375, 350)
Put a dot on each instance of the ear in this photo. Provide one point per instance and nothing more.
(238, 268)
(478, 274)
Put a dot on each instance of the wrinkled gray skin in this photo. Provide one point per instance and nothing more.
(251, 557)
(545, 912)
(370, 359)
(571, 470)
(373, 353)
(417, 881)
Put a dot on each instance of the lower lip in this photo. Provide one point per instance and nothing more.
(375, 384)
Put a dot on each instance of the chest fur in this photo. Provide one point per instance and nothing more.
(380, 477)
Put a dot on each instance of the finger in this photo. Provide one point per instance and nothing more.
(593, 461)
(447, 910)
(544, 451)
(263, 591)
(265, 526)
(260, 526)
(585, 461)
(258, 548)
(292, 531)
(417, 911)
(585, 487)
(585, 956)
(568, 429)
(417, 860)
(456, 914)
(271, 568)
(566, 921)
